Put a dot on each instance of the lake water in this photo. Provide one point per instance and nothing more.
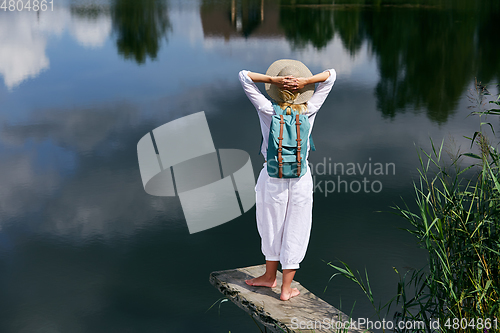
(83, 248)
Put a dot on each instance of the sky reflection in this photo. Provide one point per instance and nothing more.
(24, 37)
(86, 249)
(80, 88)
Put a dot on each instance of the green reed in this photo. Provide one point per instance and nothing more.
(457, 221)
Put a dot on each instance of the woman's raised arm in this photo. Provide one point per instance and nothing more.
(289, 82)
(301, 82)
(282, 82)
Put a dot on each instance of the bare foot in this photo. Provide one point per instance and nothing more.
(262, 281)
(287, 294)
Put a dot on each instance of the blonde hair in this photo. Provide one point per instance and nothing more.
(288, 97)
(300, 108)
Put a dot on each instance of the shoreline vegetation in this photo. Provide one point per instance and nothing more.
(457, 222)
(362, 5)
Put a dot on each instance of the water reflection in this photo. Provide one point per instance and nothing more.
(305, 25)
(73, 212)
(426, 55)
(22, 54)
(487, 42)
(24, 37)
(49, 164)
(93, 25)
(232, 18)
(349, 25)
(140, 26)
(425, 63)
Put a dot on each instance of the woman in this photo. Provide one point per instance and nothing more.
(284, 205)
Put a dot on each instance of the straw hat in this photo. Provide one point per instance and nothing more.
(295, 68)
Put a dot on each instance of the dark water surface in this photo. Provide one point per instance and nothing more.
(83, 248)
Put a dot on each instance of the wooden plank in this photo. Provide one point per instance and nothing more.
(304, 313)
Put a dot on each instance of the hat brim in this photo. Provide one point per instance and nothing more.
(304, 94)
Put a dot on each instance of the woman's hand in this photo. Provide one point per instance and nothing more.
(282, 82)
(285, 82)
(300, 82)
(290, 83)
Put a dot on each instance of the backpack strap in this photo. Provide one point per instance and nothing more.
(311, 143)
(280, 148)
(278, 110)
(297, 122)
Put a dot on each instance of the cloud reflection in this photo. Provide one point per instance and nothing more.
(22, 54)
(24, 37)
(69, 169)
(91, 32)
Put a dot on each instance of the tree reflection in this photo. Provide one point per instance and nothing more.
(349, 26)
(488, 45)
(425, 59)
(246, 15)
(236, 18)
(317, 23)
(140, 26)
(90, 11)
(427, 51)
(304, 25)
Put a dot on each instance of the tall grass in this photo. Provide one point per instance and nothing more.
(457, 221)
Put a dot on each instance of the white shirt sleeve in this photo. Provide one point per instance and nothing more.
(321, 93)
(259, 101)
(264, 105)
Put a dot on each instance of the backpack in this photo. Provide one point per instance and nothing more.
(287, 145)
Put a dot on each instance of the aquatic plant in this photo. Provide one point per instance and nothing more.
(457, 222)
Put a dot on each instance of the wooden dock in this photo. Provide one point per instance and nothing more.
(304, 313)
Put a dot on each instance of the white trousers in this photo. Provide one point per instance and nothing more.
(284, 217)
